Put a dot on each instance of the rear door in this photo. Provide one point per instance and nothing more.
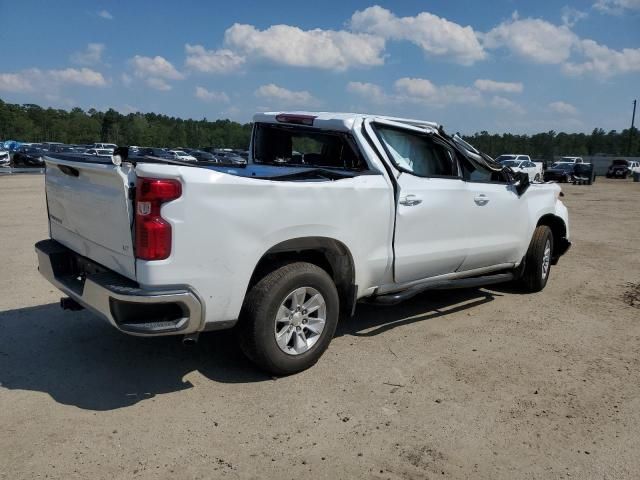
(498, 222)
(431, 227)
(90, 211)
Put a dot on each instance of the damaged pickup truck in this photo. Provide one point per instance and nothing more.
(329, 210)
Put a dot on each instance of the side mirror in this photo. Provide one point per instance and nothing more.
(521, 182)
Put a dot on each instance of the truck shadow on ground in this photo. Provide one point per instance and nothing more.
(80, 360)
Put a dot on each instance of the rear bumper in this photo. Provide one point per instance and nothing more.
(120, 301)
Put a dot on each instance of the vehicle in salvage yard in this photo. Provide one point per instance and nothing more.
(5, 158)
(522, 163)
(582, 173)
(99, 152)
(28, 156)
(367, 208)
(622, 168)
(183, 156)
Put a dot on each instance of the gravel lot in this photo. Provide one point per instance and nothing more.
(465, 384)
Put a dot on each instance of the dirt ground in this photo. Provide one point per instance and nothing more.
(466, 384)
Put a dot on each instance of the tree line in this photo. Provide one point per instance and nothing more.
(32, 123)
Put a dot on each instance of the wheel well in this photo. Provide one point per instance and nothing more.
(558, 228)
(327, 253)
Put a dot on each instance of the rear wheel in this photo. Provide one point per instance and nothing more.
(538, 260)
(537, 178)
(288, 318)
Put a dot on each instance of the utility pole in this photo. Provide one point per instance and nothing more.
(633, 119)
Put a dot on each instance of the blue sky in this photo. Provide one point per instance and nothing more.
(501, 66)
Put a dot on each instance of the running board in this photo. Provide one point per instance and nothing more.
(471, 282)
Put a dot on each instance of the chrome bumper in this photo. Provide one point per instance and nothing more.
(122, 302)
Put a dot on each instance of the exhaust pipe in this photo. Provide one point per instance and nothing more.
(191, 339)
(67, 303)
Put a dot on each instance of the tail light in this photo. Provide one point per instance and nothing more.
(153, 233)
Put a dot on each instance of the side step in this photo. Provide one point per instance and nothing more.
(472, 282)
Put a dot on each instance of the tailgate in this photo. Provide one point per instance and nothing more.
(90, 211)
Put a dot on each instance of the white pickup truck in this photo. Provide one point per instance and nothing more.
(330, 209)
(523, 163)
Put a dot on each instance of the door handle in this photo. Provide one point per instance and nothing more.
(481, 199)
(410, 201)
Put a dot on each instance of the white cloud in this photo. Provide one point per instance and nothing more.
(155, 71)
(506, 104)
(563, 108)
(212, 61)
(15, 82)
(371, 91)
(417, 90)
(158, 84)
(92, 55)
(486, 85)
(82, 76)
(603, 61)
(46, 81)
(211, 96)
(423, 90)
(157, 66)
(325, 49)
(105, 14)
(616, 7)
(286, 97)
(435, 35)
(532, 39)
(571, 16)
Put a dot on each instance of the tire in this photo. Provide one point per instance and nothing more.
(537, 178)
(534, 278)
(258, 324)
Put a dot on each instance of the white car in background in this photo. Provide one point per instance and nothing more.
(108, 146)
(182, 156)
(99, 152)
(570, 160)
(5, 158)
(522, 163)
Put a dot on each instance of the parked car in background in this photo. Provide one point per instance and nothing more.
(28, 156)
(182, 156)
(522, 163)
(51, 146)
(570, 160)
(204, 156)
(621, 168)
(5, 158)
(110, 146)
(99, 152)
(229, 156)
(153, 152)
(564, 172)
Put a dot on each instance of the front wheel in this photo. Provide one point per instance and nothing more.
(538, 260)
(288, 318)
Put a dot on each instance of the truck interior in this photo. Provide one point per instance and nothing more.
(302, 146)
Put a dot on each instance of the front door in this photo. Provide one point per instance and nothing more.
(431, 218)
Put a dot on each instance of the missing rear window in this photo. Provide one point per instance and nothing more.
(288, 146)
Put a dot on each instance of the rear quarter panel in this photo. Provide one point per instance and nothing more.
(223, 224)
